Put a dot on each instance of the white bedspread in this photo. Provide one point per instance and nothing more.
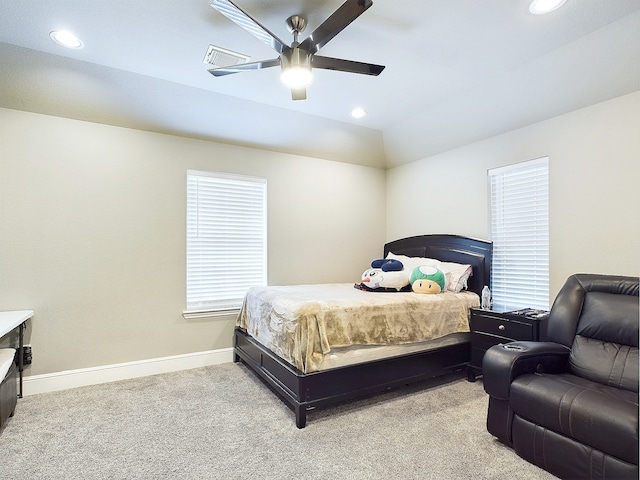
(302, 323)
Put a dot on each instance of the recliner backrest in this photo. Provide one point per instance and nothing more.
(597, 317)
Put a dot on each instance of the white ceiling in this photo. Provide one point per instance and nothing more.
(456, 71)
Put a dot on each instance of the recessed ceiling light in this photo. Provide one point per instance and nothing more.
(540, 7)
(358, 112)
(66, 39)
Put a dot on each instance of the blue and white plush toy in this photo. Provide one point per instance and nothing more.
(385, 273)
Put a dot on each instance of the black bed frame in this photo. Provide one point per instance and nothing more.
(304, 392)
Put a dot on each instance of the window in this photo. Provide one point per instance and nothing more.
(519, 202)
(226, 240)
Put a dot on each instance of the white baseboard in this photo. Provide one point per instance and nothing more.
(51, 382)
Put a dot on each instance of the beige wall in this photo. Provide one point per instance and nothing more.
(92, 234)
(92, 220)
(594, 170)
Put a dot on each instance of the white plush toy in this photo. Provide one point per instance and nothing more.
(374, 278)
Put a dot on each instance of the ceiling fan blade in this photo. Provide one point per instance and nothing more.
(245, 21)
(343, 16)
(299, 93)
(221, 71)
(350, 66)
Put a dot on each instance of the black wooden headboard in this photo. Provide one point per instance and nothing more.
(450, 248)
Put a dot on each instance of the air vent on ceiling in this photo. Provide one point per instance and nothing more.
(221, 57)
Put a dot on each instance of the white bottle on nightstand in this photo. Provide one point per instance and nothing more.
(486, 298)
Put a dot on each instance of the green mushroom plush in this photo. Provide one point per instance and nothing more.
(427, 280)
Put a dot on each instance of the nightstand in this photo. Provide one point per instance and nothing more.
(490, 328)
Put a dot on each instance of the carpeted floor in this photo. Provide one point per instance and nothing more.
(221, 422)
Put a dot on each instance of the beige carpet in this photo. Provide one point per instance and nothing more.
(221, 422)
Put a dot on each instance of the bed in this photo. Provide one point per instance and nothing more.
(309, 381)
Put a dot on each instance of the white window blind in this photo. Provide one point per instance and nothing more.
(519, 200)
(226, 239)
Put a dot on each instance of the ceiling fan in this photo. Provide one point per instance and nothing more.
(297, 60)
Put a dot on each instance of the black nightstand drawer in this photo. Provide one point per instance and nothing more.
(489, 328)
(503, 327)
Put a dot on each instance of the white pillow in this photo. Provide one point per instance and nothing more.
(409, 263)
(457, 274)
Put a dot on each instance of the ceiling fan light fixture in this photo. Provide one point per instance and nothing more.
(296, 77)
(540, 7)
(66, 39)
(296, 68)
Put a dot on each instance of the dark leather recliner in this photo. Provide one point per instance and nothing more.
(570, 404)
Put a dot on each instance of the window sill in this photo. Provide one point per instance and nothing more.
(197, 314)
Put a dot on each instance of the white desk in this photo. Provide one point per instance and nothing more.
(10, 321)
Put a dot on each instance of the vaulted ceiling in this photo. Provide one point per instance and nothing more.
(456, 71)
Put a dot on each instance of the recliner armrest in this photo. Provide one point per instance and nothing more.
(502, 363)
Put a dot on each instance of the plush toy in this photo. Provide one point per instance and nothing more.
(385, 275)
(376, 278)
(427, 280)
